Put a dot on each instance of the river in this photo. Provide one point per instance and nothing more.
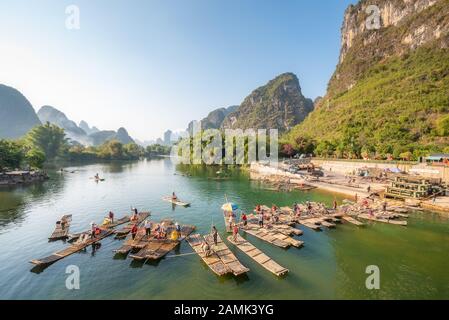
(332, 264)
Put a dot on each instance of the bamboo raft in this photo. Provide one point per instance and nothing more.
(74, 236)
(212, 261)
(226, 255)
(273, 237)
(352, 220)
(155, 249)
(151, 248)
(60, 232)
(176, 202)
(71, 249)
(258, 256)
(309, 225)
(282, 227)
(127, 229)
(105, 231)
(383, 220)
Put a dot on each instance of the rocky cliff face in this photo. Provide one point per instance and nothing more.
(389, 93)
(392, 13)
(277, 105)
(404, 25)
(17, 116)
(214, 119)
(101, 137)
(85, 126)
(54, 116)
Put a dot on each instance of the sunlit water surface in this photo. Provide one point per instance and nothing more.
(412, 260)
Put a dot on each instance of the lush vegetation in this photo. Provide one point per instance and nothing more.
(47, 142)
(398, 109)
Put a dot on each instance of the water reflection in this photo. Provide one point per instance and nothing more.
(14, 200)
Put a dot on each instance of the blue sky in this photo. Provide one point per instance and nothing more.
(155, 65)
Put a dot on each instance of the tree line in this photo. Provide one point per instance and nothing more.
(48, 142)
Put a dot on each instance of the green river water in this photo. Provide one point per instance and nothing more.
(413, 260)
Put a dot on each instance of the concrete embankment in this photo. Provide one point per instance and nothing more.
(12, 178)
(347, 167)
(272, 173)
(334, 181)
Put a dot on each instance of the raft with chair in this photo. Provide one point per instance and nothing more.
(176, 201)
(212, 260)
(226, 255)
(141, 216)
(72, 249)
(258, 256)
(280, 226)
(273, 237)
(62, 228)
(155, 248)
(105, 225)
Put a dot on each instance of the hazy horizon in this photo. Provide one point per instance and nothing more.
(171, 60)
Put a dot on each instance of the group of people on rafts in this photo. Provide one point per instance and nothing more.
(159, 232)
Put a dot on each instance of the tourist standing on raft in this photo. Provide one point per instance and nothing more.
(230, 220)
(260, 218)
(92, 229)
(235, 232)
(244, 219)
(215, 235)
(178, 229)
(134, 231)
(148, 225)
(111, 216)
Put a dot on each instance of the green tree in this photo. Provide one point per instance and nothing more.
(49, 138)
(443, 126)
(132, 151)
(11, 154)
(35, 157)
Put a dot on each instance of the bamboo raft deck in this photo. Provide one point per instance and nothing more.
(352, 221)
(281, 227)
(155, 249)
(258, 256)
(151, 248)
(74, 236)
(212, 261)
(71, 249)
(127, 229)
(309, 225)
(272, 236)
(383, 220)
(59, 232)
(176, 202)
(226, 255)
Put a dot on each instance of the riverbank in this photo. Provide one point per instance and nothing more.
(336, 182)
(13, 178)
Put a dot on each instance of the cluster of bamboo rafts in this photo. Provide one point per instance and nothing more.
(278, 230)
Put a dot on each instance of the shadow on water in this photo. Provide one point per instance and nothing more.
(15, 199)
